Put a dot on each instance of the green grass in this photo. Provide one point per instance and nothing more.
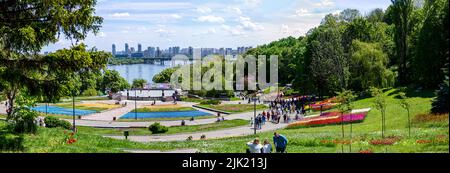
(165, 119)
(304, 140)
(195, 100)
(235, 108)
(2, 115)
(174, 109)
(69, 105)
(172, 130)
(85, 98)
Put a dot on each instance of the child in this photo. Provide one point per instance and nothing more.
(267, 148)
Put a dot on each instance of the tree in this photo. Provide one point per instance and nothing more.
(328, 68)
(345, 99)
(139, 83)
(164, 76)
(431, 46)
(368, 67)
(407, 106)
(113, 81)
(27, 26)
(380, 104)
(401, 16)
(441, 103)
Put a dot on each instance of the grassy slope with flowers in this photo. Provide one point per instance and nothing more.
(426, 136)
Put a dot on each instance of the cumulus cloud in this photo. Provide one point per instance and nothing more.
(204, 10)
(302, 12)
(234, 10)
(118, 15)
(284, 29)
(248, 24)
(176, 16)
(234, 31)
(164, 32)
(211, 19)
(325, 3)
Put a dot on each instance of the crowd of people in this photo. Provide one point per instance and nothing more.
(280, 142)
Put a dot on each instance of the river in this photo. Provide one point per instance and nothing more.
(144, 71)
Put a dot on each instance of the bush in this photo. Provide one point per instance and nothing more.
(90, 92)
(210, 102)
(23, 121)
(11, 142)
(156, 128)
(52, 122)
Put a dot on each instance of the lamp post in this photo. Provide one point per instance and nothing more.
(73, 112)
(135, 104)
(254, 107)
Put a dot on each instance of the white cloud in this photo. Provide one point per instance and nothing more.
(211, 18)
(176, 16)
(234, 10)
(248, 24)
(119, 15)
(208, 32)
(101, 34)
(302, 12)
(284, 29)
(234, 31)
(204, 10)
(164, 32)
(325, 3)
(252, 3)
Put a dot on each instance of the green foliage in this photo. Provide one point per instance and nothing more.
(53, 122)
(139, 83)
(23, 121)
(210, 102)
(346, 98)
(11, 142)
(369, 67)
(113, 81)
(441, 103)
(157, 128)
(120, 61)
(90, 92)
(164, 76)
(380, 104)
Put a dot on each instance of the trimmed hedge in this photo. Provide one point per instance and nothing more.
(53, 122)
(156, 128)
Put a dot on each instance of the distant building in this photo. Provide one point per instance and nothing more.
(127, 50)
(113, 49)
(139, 48)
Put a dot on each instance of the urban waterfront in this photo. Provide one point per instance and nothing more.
(141, 71)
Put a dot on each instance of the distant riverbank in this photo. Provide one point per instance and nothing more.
(125, 61)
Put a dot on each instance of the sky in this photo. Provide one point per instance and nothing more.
(206, 23)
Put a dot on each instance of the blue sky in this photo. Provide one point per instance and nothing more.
(202, 23)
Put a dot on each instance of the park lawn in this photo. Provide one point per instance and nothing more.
(195, 100)
(235, 108)
(165, 119)
(302, 140)
(2, 115)
(163, 109)
(89, 106)
(172, 130)
(309, 140)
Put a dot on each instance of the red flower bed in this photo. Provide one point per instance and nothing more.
(366, 151)
(70, 139)
(330, 118)
(385, 141)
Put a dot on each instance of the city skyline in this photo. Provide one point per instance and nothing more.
(215, 24)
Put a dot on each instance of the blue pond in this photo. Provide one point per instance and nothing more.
(63, 111)
(175, 114)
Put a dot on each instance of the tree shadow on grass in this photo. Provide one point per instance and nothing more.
(413, 93)
(10, 142)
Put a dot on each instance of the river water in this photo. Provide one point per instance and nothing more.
(144, 71)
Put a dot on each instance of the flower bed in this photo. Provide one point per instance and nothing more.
(329, 118)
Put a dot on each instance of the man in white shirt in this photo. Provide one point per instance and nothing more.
(255, 146)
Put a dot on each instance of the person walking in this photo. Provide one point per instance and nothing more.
(280, 142)
(254, 146)
(267, 148)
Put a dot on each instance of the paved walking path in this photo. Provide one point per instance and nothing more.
(240, 131)
(233, 132)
